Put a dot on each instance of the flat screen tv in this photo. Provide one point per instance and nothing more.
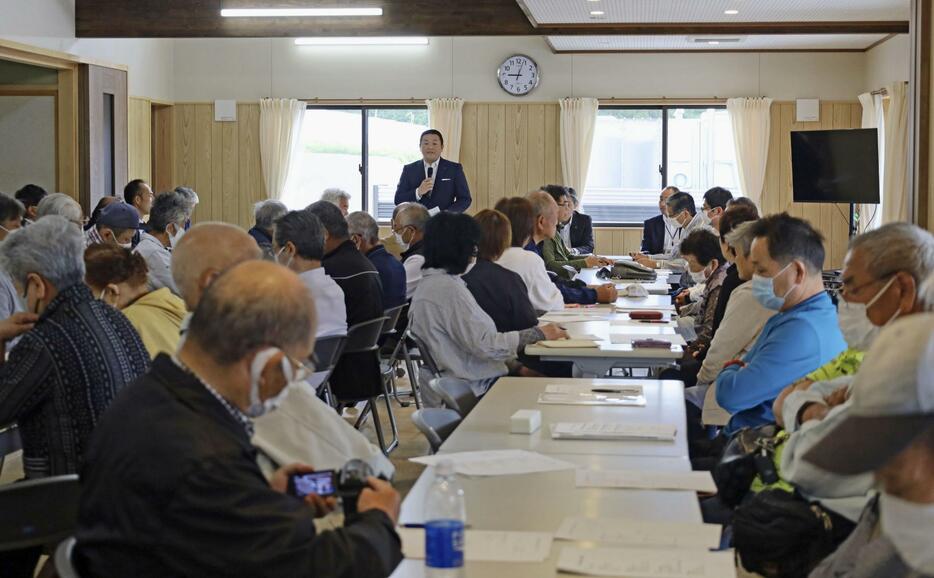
(835, 166)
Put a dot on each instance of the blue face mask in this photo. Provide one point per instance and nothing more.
(763, 289)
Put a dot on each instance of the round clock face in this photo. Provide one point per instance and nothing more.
(518, 75)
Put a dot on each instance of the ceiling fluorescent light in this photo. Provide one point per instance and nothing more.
(363, 41)
(290, 12)
(597, 13)
(731, 12)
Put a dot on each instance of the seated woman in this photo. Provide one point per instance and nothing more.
(543, 293)
(119, 277)
(706, 265)
(460, 336)
(500, 292)
(558, 259)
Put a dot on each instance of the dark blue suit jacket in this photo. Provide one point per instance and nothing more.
(391, 275)
(653, 235)
(451, 192)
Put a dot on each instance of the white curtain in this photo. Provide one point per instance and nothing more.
(895, 180)
(578, 119)
(870, 216)
(280, 128)
(444, 115)
(751, 122)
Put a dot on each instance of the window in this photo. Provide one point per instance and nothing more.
(638, 151)
(359, 149)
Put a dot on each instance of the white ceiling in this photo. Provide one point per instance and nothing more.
(753, 42)
(543, 12)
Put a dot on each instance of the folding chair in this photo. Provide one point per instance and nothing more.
(10, 442)
(364, 338)
(328, 352)
(436, 424)
(455, 393)
(38, 512)
(396, 327)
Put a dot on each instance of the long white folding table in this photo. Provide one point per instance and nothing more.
(539, 502)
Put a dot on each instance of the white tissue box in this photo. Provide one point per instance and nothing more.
(525, 421)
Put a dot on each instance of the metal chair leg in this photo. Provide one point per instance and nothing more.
(413, 375)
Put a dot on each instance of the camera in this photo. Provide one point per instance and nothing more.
(347, 483)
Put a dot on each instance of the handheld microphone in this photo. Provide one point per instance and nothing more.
(431, 171)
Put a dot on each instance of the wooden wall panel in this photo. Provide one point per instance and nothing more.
(139, 144)
(220, 160)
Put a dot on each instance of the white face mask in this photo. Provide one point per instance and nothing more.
(403, 244)
(699, 276)
(174, 239)
(126, 246)
(908, 526)
(671, 224)
(857, 329)
(259, 406)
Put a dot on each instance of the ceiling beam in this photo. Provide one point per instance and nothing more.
(201, 18)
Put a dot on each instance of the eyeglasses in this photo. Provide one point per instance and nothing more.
(848, 292)
(303, 369)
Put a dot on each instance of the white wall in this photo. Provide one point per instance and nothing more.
(887, 63)
(27, 142)
(51, 24)
(248, 69)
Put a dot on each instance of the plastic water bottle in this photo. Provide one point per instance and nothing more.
(445, 517)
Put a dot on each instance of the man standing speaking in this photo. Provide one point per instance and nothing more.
(437, 183)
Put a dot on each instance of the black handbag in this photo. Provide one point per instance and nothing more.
(778, 534)
(748, 454)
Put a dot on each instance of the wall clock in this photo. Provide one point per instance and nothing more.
(518, 75)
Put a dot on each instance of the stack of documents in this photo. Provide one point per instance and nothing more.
(640, 533)
(646, 563)
(486, 546)
(569, 344)
(646, 480)
(625, 395)
(613, 431)
(498, 462)
(628, 338)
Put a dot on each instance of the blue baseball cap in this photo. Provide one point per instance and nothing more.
(119, 216)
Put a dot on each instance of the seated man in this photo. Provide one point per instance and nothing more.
(461, 337)
(139, 195)
(882, 273)
(207, 510)
(265, 214)
(682, 209)
(62, 205)
(356, 375)
(715, 202)
(660, 232)
(888, 437)
(558, 259)
(409, 230)
(544, 227)
(117, 223)
(170, 211)
(298, 244)
(364, 232)
(75, 353)
(30, 196)
(787, 255)
(577, 233)
(543, 294)
(337, 197)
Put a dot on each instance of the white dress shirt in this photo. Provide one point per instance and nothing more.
(413, 273)
(159, 260)
(434, 174)
(329, 302)
(543, 293)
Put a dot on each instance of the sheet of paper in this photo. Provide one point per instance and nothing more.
(562, 319)
(497, 462)
(591, 399)
(584, 336)
(640, 532)
(646, 480)
(641, 563)
(586, 388)
(486, 546)
(569, 344)
(627, 339)
(594, 430)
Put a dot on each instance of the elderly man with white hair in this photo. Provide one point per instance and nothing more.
(265, 214)
(170, 211)
(75, 353)
(337, 197)
(62, 205)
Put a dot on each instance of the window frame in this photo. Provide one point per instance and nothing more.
(663, 168)
(363, 166)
